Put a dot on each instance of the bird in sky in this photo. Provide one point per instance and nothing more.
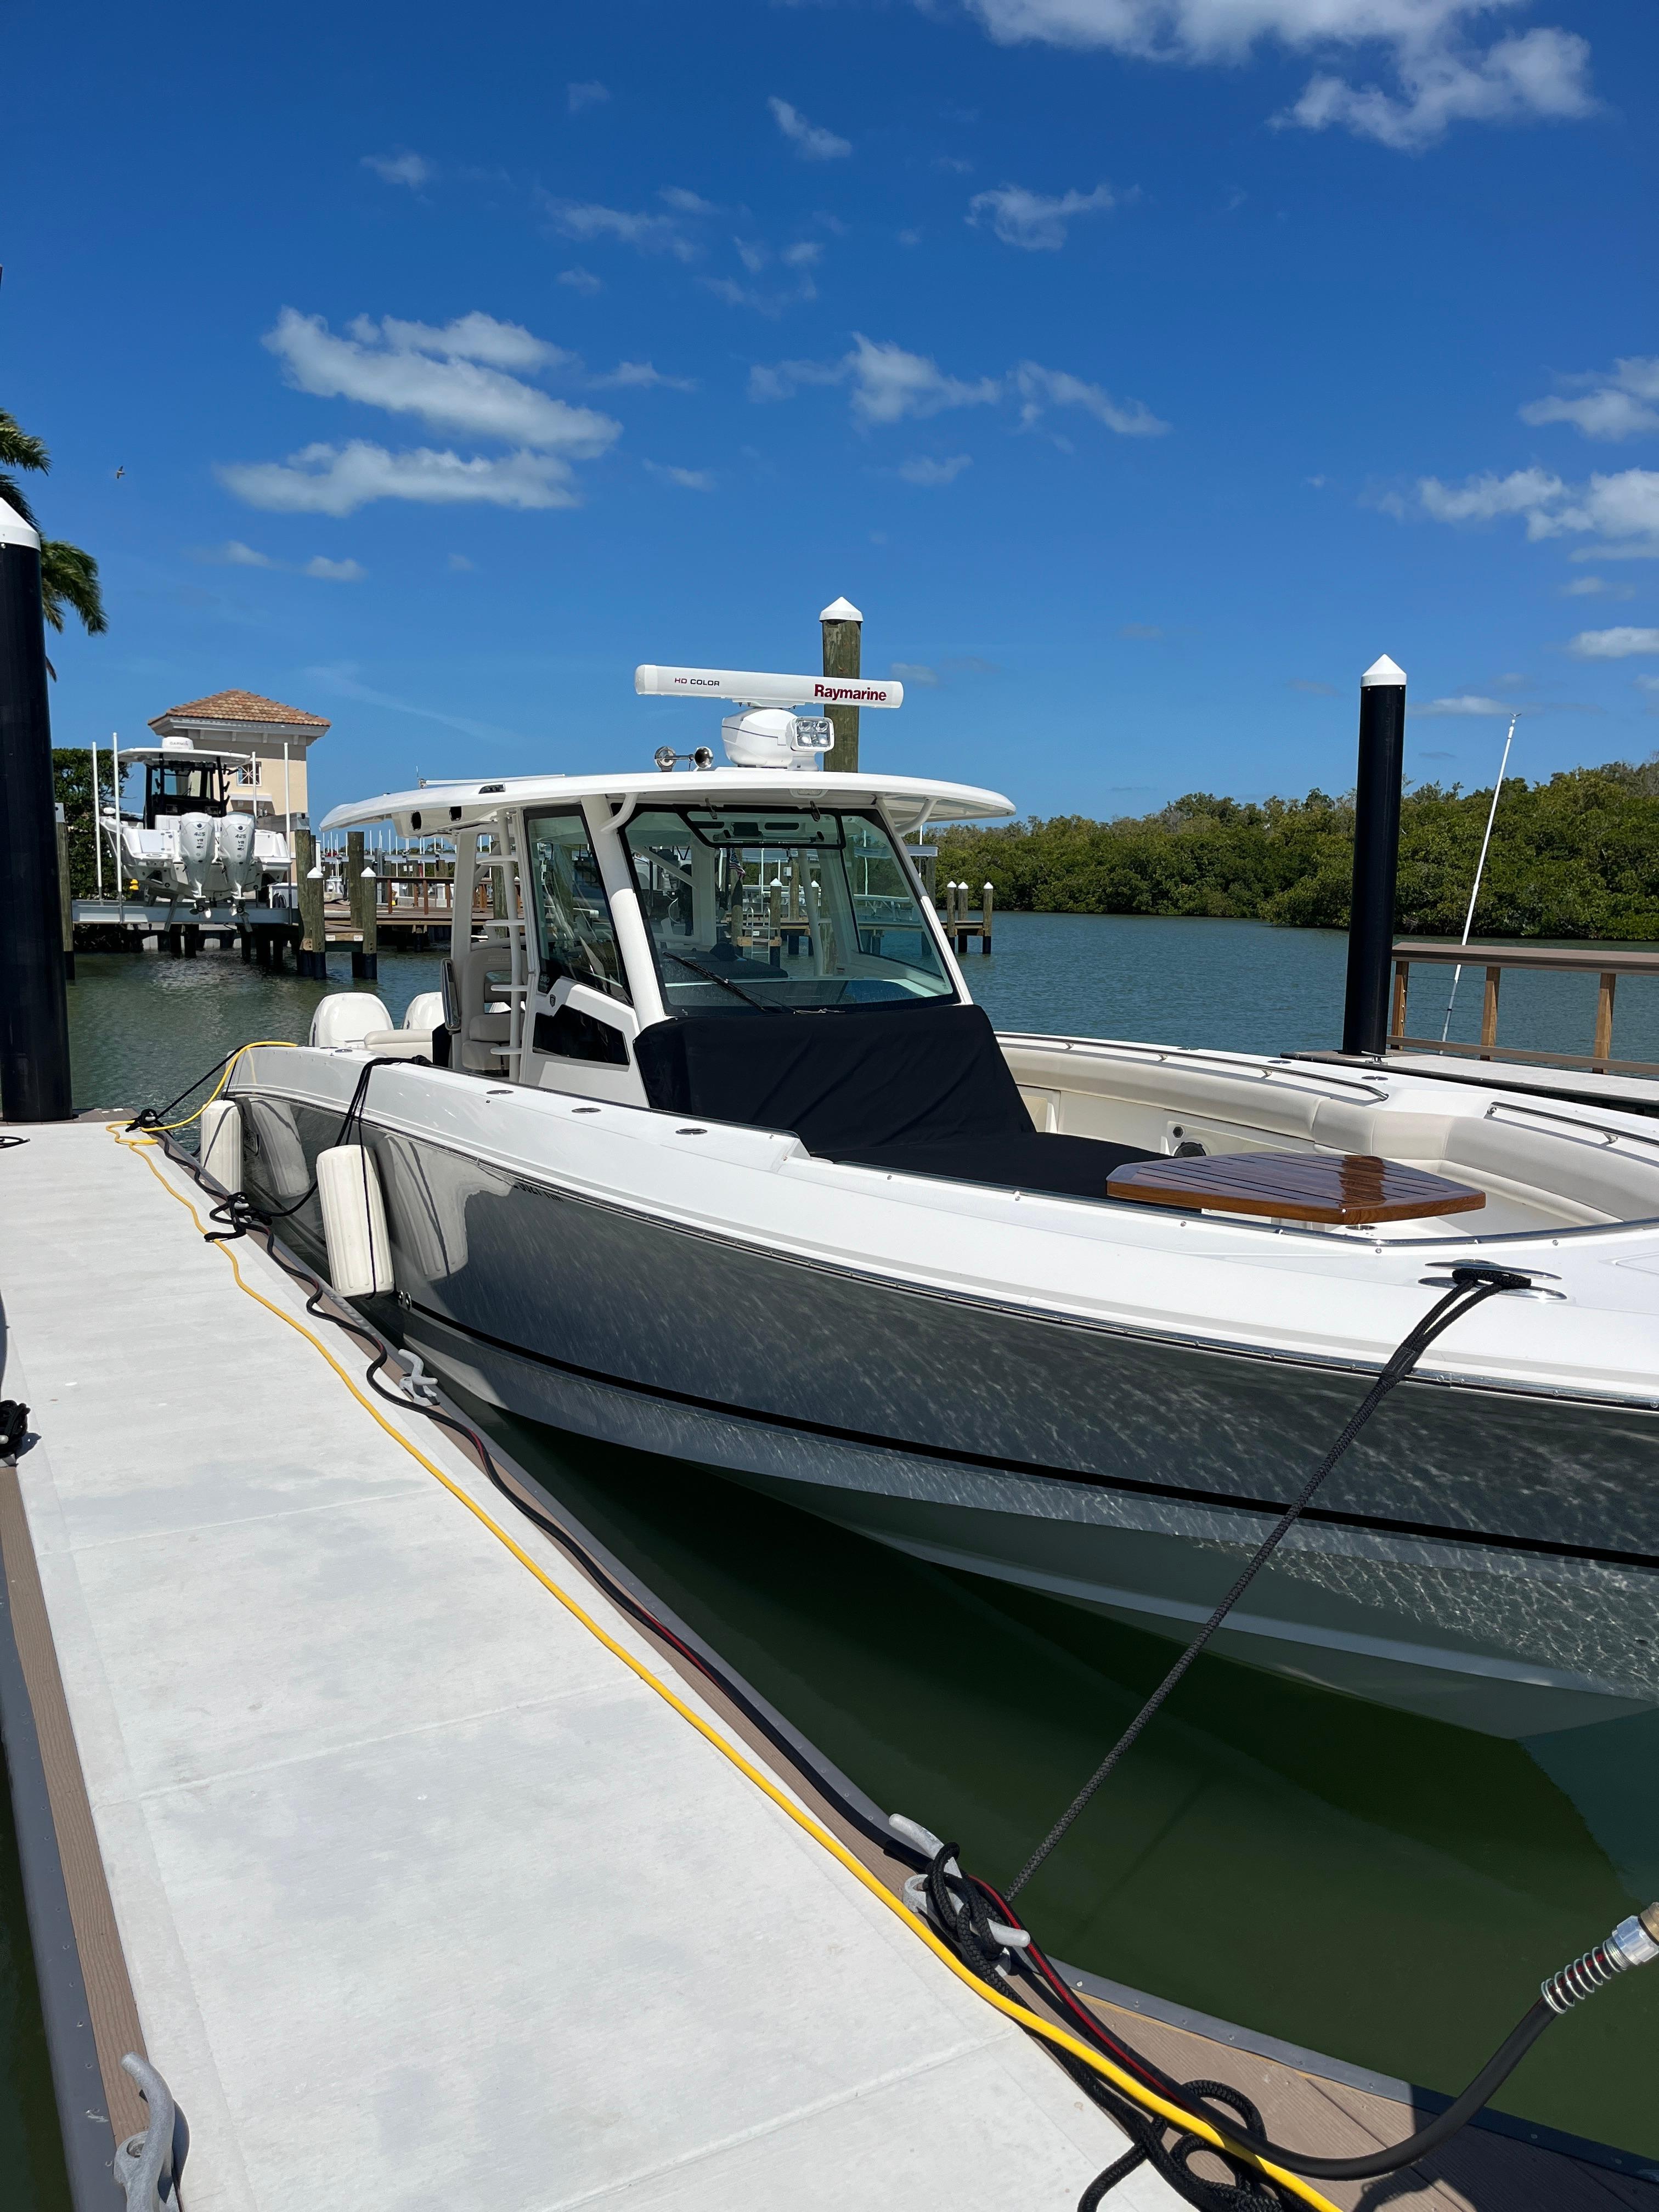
(121, 471)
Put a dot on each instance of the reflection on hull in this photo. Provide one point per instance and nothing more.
(1481, 1557)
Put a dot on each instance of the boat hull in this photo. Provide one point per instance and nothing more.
(1487, 1557)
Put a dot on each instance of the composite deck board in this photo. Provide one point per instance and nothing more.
(421, 1893)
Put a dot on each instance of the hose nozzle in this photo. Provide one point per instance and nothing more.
(1633, 1943)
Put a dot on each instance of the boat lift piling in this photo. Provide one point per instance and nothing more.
(843, 655)
(35, 1054)
(1375, 857)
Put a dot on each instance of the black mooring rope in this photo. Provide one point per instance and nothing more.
(1471, 1286)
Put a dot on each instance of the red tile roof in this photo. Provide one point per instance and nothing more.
(242, 707)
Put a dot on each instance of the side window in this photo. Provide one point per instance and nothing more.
(572, 915)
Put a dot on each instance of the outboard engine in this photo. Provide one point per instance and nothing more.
(198, 849)
(236, 851)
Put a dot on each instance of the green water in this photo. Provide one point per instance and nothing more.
(1385, 1889)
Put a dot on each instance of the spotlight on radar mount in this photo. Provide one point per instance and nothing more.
(770, 734)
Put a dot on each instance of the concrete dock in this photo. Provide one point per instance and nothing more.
(414, 1893)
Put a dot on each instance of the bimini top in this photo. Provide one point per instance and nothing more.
(441, 809)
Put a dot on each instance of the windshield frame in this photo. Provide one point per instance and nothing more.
(741, 992)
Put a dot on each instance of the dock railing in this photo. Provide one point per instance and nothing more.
(1604, 962)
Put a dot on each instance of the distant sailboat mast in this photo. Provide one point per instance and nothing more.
(1479, 869)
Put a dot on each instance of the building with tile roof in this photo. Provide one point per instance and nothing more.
(278, 738)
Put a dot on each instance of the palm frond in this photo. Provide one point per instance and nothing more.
(19, 448)
(11, 491)
(68, 578)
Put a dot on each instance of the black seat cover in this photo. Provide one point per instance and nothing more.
(915, 1090)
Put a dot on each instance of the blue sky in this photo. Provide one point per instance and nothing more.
(1143, 368)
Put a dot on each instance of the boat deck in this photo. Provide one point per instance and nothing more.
(410, 1884)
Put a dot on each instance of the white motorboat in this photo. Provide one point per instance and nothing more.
(192, 845)
(721, 1161)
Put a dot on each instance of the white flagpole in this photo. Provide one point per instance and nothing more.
(1479, 866)
(97, 822)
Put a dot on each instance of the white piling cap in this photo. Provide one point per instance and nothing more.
(13, 531)
(1383, 672)
(840, 611)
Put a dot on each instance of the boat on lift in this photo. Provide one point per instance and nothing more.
(712, 1154)
(190, 843)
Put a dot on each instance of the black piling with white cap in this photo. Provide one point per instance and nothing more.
(34, 1052)
(1375, 857)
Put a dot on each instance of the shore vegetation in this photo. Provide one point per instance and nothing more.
(1576, 856)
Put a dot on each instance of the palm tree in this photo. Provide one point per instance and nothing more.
(68, 577)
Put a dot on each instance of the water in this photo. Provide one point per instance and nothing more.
(1382, 1889)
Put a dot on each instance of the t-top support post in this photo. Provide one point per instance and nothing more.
(35, 1051)
(1375, 857)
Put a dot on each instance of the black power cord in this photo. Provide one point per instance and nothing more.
(1471, 1286)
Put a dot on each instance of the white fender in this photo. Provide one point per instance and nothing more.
(354, 1222)
(222, 1143)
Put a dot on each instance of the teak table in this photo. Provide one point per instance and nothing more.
(1328, 1187)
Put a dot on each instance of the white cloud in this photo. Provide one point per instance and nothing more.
(586, 221)
(1040, 388)
(1033, 220)
(916, 673)
(1613, 644)
(582, 280)
(687, 479)
(1619, 406)
(458, 561)
(922, 469)
(763, 303)
(443, 376)
(338, 479)
(811, 141)
(233, 554)
(592, 95)
(1649, 683)
(803, 254)
(1595, 587)
(892, 384)
(1621, 511)
(1466, 702)
(411, 169)
(685, 203)
(1441, 76)
(345, 681)
(640, 376)
(1540, 75)
(469, 338)
(1141, 633)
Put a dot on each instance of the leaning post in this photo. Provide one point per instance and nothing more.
(34, 1052)
(1376, 857)
(843, 655)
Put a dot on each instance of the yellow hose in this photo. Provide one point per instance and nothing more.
(1125, 2083)
(166, 1128)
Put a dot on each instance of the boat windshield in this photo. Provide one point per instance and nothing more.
(779, 910)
